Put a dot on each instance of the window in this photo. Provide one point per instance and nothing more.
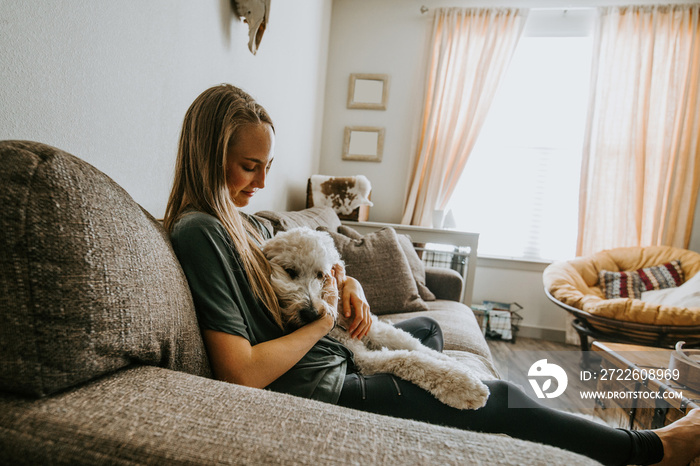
(520, 186)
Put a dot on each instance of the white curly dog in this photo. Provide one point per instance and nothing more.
(302, 260)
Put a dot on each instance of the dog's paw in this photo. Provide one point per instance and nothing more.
(469, 399)
(460, 390)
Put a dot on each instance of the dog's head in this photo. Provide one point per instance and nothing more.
(302, 261)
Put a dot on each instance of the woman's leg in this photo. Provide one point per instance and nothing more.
(389, 395)
(425, 329)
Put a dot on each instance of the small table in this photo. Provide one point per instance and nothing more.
(648, 410)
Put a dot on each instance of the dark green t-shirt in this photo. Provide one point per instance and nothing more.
(225, 302)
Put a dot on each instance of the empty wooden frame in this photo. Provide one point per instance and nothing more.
(363, 143)
(368, 91)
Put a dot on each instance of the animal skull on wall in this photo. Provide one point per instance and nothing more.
(256, 13)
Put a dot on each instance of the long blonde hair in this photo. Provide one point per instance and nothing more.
(211, 125)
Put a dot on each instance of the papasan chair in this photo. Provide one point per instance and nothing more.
(657, 318)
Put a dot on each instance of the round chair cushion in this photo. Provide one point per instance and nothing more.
(576, 283)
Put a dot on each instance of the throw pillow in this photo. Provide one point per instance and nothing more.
(349, 232)
(313, 218)
(379, 264)
(415, 263)
(620, 284)
(659, 277)
(417, 267)
(632, 284)
(90, 283)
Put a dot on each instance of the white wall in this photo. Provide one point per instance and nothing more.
(110, 82)
(391, 36)
(376, 37)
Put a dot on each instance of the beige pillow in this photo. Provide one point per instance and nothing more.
(414, 262)
(313, 218)
(377, 261)
(417, 267)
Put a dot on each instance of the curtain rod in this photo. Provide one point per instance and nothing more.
(424, 9)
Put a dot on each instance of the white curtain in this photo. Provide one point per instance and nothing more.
(470, 51)
(641, 170)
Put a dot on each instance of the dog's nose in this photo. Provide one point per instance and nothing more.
(308, 314)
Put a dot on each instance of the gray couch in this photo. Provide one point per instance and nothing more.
(101, 361)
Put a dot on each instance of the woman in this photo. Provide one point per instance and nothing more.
(225, 152)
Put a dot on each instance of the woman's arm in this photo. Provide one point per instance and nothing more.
(233, 359)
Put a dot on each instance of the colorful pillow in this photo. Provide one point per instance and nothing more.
(620, 284)
(632, 284)
(668, 275)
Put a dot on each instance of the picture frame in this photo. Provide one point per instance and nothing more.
(363, 143)
(368, 91)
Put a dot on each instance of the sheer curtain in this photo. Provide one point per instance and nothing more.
(470, 51)
(641, 171)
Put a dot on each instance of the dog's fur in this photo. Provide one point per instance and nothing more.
(302, 260)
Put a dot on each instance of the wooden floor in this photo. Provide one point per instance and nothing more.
(513, 361)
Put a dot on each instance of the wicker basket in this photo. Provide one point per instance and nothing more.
(498, 321)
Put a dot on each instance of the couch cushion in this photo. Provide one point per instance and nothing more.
(148, 415)
(459, 327)
(313, 218)
(379, 264)
(88, 280)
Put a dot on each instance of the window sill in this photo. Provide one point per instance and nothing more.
(512, 263)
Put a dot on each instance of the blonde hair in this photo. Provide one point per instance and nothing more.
(210, 127)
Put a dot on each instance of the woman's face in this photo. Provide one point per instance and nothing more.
(249, 160)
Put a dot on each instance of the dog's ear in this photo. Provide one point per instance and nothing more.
(276, 270)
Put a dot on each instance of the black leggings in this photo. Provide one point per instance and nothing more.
(392, 396)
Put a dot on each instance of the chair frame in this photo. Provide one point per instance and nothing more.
(604, 328)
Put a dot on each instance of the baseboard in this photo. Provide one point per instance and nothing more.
(539, 333)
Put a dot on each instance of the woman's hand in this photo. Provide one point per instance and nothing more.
(355, 307)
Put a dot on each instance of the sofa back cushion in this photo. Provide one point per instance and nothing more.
(89, 282)
(313, 218)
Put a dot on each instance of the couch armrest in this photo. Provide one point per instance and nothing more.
(444, 283)
(149, 415)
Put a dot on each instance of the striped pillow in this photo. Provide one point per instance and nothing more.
(668, 275)
(633, 283)
(621, 284)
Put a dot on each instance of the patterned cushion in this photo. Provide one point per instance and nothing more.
(89, 282)
(378, 263)
(631, 284)
(668, 275)
(620, 284)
